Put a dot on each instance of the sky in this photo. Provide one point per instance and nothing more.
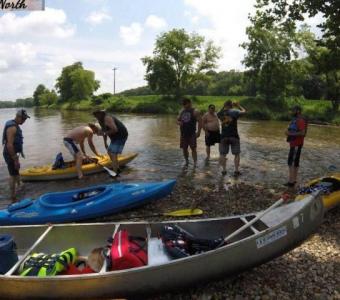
(107, 34)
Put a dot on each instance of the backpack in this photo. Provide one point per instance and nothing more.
(8, 253)
(180, 243)
(126, 251)
(59, 162)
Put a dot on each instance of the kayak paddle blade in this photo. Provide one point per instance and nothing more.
(185, 212)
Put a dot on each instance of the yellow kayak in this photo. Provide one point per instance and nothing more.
(47, 173)
(330, 185)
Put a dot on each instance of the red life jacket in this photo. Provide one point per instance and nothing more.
(127, 251)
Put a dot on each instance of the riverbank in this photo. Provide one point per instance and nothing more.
(310, 271)
(316, 111)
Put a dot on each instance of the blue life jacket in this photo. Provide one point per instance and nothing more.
(18, 139)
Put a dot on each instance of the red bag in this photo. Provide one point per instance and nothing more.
(79, 268)
(127, 251)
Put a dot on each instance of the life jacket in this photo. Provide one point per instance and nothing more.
(180, 243)
(18, 139)
(42, 265)
(126, 251)
(292, 127)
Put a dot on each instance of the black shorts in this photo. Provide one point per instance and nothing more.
(212, 138)
(294, 156)
(10, 165)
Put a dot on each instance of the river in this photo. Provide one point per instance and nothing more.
(156, 139)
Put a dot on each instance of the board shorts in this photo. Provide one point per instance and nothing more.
(213, 138)
(10, 165)
(116, 146)
(230, 142)
(71, 146)
(294, 156)
(188, 141)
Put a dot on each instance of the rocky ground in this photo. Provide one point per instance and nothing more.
(310, 271)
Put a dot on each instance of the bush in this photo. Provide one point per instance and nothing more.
(260, 113)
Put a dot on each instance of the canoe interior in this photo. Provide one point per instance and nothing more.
(86, 237)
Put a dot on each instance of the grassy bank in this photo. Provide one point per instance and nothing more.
(317, 111)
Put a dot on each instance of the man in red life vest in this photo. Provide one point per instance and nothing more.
(295, 133)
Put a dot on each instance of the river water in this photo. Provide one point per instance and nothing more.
(156, 139)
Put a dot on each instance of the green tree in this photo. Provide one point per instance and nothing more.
(75, 83)
(38, 91)
(179, 59)
(327, 64)
(269, 51)
(48, 97)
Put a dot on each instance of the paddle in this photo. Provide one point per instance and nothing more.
(245, 226)
(188, 212)
(111, 172)
(96, 161)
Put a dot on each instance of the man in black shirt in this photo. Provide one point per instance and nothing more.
(229, 136)
(187, 120)
(116, 131)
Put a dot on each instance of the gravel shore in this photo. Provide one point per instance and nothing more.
(310, 271)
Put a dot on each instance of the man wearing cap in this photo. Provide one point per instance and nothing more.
(12, 140)
(77, 136)
(295, 133)
(116, 131)
(229, 135)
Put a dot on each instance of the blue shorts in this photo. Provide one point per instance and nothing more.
(10, 165)
(71, 146)
(117, 146)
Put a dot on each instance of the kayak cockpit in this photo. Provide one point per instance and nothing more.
(71, 197)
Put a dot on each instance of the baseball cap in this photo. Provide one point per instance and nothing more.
(22, 113)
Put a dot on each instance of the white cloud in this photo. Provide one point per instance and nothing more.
(155, 22)
(131, 34)
(50, 23)
(229, 20)
(193, 18)
(98, 17)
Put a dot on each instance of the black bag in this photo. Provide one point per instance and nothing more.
(8, 253)
(180, 243)
(59, 162)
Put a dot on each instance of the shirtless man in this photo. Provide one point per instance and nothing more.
(78, 136)
(211, 126)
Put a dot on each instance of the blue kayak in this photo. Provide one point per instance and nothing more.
(82, 204)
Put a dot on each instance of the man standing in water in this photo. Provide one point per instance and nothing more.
(295, 133)
(13, 141)
(116, 131)
(229, 136)
(78, 136)
(211, 126)
(187, 120)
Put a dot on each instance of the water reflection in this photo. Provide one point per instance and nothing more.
(156, 139)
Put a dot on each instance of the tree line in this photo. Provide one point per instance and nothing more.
(283, 60)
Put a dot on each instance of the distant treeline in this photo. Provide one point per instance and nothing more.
(27, 102)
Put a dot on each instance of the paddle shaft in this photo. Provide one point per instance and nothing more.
(168, 214)
(111, 172)
(28, 252)
(245, 226)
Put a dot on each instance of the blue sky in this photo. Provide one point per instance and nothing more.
(35, 46)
